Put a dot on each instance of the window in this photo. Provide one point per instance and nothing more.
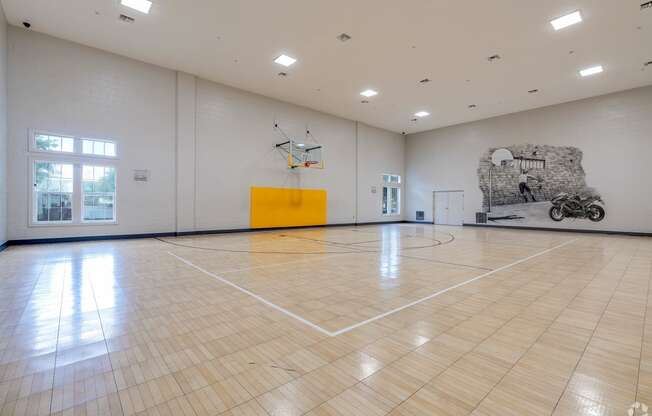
(98, 193)
(392, 179)
(529, 163)
(72, 184)
(56, 143)
(53, 192)
(49, 143)
(391, 194)
(98, 147)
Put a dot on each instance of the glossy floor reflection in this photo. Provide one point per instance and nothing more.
(124, 327)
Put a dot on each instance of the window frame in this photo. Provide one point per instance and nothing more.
(77, 145)
(32, 143)
(94, 155)
(77, 202)
(33, 214)
(82, 193)
(389, 184)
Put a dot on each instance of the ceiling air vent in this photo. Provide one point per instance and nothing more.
(126, 19)
(646, 5)
(343, 37)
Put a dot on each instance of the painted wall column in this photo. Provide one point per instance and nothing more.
(186, 152)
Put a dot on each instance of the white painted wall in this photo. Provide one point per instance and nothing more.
(186, 152)
(63, 87)
(235, 150)
(3, 127)
(613, 131)
(205, 144)
(379, 152)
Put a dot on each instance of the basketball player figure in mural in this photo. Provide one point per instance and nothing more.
(523, 187)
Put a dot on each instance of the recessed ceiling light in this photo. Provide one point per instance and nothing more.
(472, 106)
(282, 74)
(365, 101)
(494, 58)
(534, 91)
(140, 5)
(422, 114)
(566, 20)
(285, 60)
(369, 93)
(591, 71)
(425, 80)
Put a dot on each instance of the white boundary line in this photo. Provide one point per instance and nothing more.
(253, 295)
(482, 276)
(375, 318)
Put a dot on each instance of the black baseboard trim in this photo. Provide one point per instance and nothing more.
(561, 230)
(87, 238)
(175, 234)
(9, 243)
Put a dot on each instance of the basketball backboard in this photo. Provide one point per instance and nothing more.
(302, 155)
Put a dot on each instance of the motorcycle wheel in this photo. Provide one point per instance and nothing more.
(556, 213)
(596, 213)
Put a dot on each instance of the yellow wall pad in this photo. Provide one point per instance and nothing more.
(287, 207)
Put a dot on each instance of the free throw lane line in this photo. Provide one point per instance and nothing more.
(253, 295)
(375, 318)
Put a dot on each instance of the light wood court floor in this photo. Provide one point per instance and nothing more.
(397, 320)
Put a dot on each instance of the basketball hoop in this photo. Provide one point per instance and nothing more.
(302, 155)
(307, 155)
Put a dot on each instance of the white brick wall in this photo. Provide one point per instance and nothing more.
(65, 87)
(205, 144)
(612, 131)
(3, 127)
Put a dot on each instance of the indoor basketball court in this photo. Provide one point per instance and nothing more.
(325, 208)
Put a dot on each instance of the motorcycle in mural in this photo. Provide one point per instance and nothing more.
(565, 205)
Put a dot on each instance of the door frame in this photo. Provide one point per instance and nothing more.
(434, 196)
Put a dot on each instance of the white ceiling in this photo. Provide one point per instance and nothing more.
(395, 43)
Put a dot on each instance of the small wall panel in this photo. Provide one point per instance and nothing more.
(287, 207)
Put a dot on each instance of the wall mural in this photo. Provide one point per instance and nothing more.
(536, 184)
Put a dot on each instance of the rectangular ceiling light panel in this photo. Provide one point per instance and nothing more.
(567, 20)
(142, 6)
(591, 71)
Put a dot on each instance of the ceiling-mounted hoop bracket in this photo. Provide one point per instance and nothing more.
(300, 155)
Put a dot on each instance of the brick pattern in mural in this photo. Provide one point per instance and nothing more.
(556, 169)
